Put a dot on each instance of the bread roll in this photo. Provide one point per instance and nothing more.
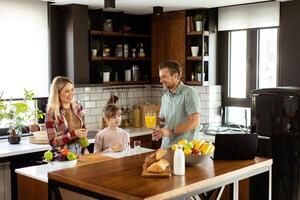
(151, 158)
(160, 153)
(159, 166)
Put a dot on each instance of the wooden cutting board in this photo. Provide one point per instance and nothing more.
(164, 174)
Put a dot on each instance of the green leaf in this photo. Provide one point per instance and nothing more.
(20, 107)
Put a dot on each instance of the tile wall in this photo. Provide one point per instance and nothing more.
(94, 100)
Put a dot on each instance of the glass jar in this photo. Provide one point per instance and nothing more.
(119, 50)
(136, 115)
(107, 25)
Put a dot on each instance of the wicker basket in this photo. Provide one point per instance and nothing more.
(35, 140)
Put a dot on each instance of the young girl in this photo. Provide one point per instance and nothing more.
(111, 138)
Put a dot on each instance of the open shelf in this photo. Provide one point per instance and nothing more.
(194, 83)
(136, 59)
(137, 35)
(194, 58)
(125, 83)
(98, 58)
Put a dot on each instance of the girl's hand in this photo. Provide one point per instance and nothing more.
(80, 133)
(117, 148)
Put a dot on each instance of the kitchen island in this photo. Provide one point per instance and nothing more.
(31, 179)
(121, 178)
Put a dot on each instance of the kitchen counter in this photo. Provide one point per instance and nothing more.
(40, 172)
(25, 146)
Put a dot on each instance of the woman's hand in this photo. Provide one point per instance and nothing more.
(80, 133)
(117, 147)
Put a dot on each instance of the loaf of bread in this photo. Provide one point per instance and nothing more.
(160, 153)
(156, 156)
(150, 158)
(158, 166)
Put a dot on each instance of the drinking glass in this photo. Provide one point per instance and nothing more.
(150, 120)
(137, 146)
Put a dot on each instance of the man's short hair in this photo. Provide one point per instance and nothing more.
(173, 66)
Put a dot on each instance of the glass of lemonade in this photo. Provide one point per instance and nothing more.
(150, 120)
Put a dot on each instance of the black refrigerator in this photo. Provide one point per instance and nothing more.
(275, 117)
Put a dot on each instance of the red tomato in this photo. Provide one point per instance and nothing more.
(65, 152)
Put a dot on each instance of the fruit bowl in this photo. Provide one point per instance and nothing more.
(193, 159)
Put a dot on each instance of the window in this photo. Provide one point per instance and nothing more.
(237, 66)
(251, 57)
(267, 59)
(24, 48)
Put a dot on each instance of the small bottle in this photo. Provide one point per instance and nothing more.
(179, 161)
(193, 77)
(142, 53)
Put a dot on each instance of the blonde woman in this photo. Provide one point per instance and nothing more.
(65, 118)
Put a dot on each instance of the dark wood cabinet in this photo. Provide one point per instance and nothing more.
(122, 42)
(173, 35)
(146, 141)
(168, 40)
(69, 42)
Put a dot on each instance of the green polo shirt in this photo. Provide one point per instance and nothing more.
(176, 107)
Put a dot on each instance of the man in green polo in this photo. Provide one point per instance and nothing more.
(180, 107)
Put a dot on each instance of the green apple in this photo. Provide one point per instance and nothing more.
(48, 155)
(72, 156)
(83, 142)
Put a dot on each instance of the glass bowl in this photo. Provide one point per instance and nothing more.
(193, 159)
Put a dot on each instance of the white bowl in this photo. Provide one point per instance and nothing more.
(57, 165)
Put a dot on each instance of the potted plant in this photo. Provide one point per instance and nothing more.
(15, 114)
(198, 72)
(96, 45)
(198, 19)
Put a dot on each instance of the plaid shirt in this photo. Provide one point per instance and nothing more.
(57, 130)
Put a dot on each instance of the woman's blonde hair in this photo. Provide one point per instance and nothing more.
(109, 111)
(58, 83)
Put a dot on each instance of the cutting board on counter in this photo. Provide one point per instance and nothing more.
(164, 174)
(153, 107)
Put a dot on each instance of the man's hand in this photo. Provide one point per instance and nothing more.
(160, 133)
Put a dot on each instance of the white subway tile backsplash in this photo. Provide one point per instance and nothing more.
(90, 104)
(94, 99)
(79, 90)
(89, 90)
(95, 96)
(83, 97)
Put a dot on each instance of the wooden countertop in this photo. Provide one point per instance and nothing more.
(121, 178)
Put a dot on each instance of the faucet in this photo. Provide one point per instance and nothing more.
(231, 126)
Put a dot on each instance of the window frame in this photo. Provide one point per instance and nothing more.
(251, 66)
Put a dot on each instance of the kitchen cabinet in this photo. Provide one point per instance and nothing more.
(146, 141)
(121, 42)
(173, 35)
(69, 42)
(168, 40)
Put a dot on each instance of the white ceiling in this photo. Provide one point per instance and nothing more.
(146, 6)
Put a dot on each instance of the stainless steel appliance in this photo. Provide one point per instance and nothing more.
(275, 117)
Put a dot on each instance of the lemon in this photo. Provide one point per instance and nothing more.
(187, 151)
(182, 142)
(174, 147)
